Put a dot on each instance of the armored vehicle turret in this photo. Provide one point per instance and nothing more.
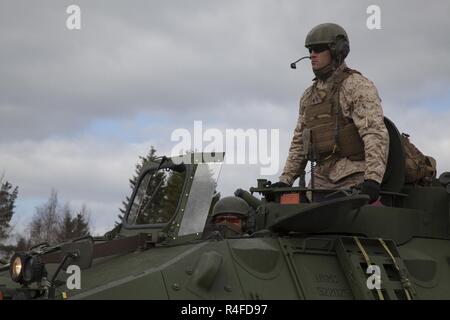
(293, 248)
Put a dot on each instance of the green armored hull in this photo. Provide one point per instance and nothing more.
(166, 247)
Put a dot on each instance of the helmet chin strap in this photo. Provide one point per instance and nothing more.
(230, 229)
(324, 72)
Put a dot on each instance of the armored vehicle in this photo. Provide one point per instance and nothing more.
(290, 247)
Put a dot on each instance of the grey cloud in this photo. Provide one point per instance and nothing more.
(169, 56)
(226, 63)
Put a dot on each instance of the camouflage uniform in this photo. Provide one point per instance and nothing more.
(359, 101)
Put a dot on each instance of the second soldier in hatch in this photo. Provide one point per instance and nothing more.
(340, 124)
(231, 213)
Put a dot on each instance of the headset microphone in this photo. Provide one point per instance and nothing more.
(293, 64)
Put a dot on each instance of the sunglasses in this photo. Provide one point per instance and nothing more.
(318, 48)
(227, 218)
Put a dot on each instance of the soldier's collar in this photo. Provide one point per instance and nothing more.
(340, 68)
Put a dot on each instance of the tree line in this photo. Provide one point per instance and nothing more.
(53, 222)
(8, 196)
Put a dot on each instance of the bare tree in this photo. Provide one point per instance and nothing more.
(44, 226)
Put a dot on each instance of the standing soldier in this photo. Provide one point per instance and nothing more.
(341, 124)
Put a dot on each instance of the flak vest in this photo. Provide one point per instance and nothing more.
(328, 134)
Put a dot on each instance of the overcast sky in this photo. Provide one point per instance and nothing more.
(77, 107)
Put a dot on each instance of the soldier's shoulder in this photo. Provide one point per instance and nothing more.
(307, 91)
(356, 80)
(306, 94)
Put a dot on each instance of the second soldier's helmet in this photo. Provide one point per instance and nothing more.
(231, 205)
(332, 35)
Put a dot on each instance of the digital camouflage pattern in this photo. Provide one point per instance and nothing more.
(359, 101)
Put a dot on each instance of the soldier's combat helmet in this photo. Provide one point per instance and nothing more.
(332, 35)
(231, 205)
